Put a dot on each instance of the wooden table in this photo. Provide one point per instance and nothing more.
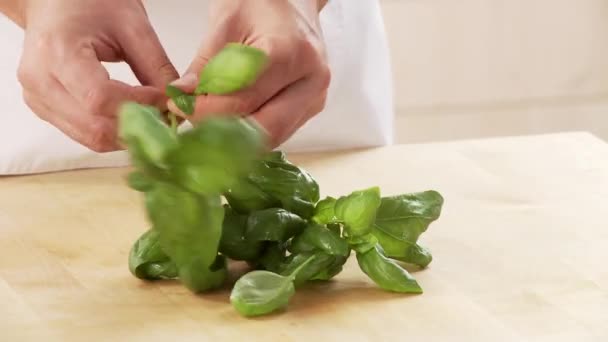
(520, 254)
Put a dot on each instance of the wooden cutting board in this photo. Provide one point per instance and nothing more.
(520, 254)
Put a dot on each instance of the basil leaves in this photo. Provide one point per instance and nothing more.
(214, 194)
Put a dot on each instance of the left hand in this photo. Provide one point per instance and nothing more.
(293, 87)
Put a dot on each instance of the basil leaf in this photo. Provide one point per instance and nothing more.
(331, 250)
(358, 211)
(317, 237)
(235, 67)
(148, 139)
(273, 258)
(148, 261)
(417, 255)
(332, 269)
(183, 101)
(245, 197)
(213, 156)
(335, 227)
(275, 182)
(325, 211)
(401, 220)
(190, 228)
(262, 292)
(405, 251)
(309, 264)
(233, 243)
(276, 156)
(363, 243)
(139, 181)
(274, 224)
(385, 272)
(288, 184)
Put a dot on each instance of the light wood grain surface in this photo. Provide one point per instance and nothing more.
(520, 254)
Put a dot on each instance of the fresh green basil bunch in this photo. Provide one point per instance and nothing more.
(214, 193)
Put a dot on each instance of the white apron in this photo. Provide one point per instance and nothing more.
(358, 113)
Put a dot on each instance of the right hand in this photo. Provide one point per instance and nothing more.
(60, 70)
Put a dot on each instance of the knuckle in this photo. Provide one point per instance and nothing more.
(50, 43)
(277, 136)
(306, 47)
(312, 54)
(247, 103)
(325, 76)
(283, 129)
(95, 100)
(322, 101)
(276, 47)
(45, 41)
(166, 68)
(310, 49)
(138, 30)
(25, 75)
(284, 52)
(28, 99)
(316, 108)
(199, 62)
(240, 106)
(99, 137)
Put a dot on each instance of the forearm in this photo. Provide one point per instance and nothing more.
(14, 10)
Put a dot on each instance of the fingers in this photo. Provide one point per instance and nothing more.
(62, 111)
(189, 80)
(80, 72)
(78, 97)
(208, 49)
(243, 102)
(146, 56)
(88, 82)
(283, 99)
(186, 83)
(290, 110)
(279, 75)
(65, 83)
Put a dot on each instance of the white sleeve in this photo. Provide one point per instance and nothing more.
(359, 110)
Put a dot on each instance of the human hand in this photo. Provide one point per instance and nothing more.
(60, 70)
(292, 88)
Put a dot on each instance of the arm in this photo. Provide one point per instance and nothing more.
(14, 10)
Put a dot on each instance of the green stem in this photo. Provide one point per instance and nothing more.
(173, 120)
(299, 268)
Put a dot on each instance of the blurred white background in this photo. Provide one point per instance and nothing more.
(476, 68)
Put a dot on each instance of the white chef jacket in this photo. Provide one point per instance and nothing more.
(358, 112)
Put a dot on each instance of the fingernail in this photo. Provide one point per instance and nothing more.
(186, 81)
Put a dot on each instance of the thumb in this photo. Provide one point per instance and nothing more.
(189, 79)
(147, 58)
(206, 51)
